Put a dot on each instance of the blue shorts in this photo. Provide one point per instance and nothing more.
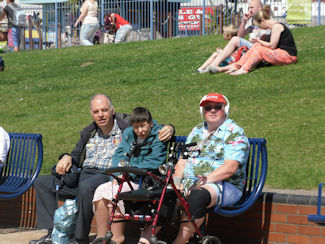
(244, 42)
(230, 194)
(14, 37)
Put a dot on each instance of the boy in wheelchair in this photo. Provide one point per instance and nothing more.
(141, 148)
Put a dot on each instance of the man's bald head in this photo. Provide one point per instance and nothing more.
(254, 6)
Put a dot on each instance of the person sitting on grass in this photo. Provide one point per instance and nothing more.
(246, 27)
(228, 33)
(143, 131)
(281, 49)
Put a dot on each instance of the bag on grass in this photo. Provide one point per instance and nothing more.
(19, 17)
(65, 218)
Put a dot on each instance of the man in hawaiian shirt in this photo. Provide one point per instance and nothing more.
(218, 170)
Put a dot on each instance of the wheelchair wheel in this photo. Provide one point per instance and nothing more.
(211, 240)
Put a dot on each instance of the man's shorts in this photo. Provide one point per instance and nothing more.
(14, 36)
(244, 42)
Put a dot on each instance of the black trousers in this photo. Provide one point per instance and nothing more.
(46, 203)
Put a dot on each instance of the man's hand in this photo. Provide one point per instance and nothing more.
(166, 133)
(64, 164)
(246, 17)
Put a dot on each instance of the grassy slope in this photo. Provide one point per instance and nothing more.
(48, 91)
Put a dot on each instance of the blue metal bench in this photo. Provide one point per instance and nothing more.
(23, 164)
(256, 171)
(318, 218)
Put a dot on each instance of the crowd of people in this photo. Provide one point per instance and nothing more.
(88, 20)
(270, 41)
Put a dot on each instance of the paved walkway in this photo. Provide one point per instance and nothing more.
(17, 236)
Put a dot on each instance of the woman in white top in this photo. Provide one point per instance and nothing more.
(4, 145)
(89, 21)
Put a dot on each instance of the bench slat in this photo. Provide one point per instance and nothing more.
(23, 164)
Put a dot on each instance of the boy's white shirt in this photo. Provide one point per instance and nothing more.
(256, 31)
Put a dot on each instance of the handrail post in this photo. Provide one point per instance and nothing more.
(319, 12)
(221, 18)
(30, 32)
(56, 24)
(102, 13)
(151, 19)
(40, 37)
(203, 18)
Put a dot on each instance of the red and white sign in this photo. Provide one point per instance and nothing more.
(189, 18)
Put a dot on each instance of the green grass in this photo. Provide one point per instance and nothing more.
(48, 92)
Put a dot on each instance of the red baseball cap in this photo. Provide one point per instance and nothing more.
(213, 97)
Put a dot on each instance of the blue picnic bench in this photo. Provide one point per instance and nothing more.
(23, 164)
(256, 170)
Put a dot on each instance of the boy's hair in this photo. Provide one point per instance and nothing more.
(230, 30)
(140, 114)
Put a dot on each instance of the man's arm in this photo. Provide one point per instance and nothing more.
(242, 30)
(3, 14)
(64, 164)
(179, 171)
(225, 171)
(113, 19)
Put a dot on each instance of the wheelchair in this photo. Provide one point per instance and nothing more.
(157, 201)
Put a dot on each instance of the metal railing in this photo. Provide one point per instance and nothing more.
(51, 24)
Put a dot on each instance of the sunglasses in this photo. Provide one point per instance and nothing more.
(216, 107)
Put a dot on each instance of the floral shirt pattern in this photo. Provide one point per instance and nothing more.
(227, 142)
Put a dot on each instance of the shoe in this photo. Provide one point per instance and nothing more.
(77, 241)
(213, 70)
(47, 239)
(100, 240)
(201, 71)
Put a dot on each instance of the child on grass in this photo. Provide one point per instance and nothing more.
(228, 32)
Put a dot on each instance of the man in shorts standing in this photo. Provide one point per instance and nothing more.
(13, 30)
